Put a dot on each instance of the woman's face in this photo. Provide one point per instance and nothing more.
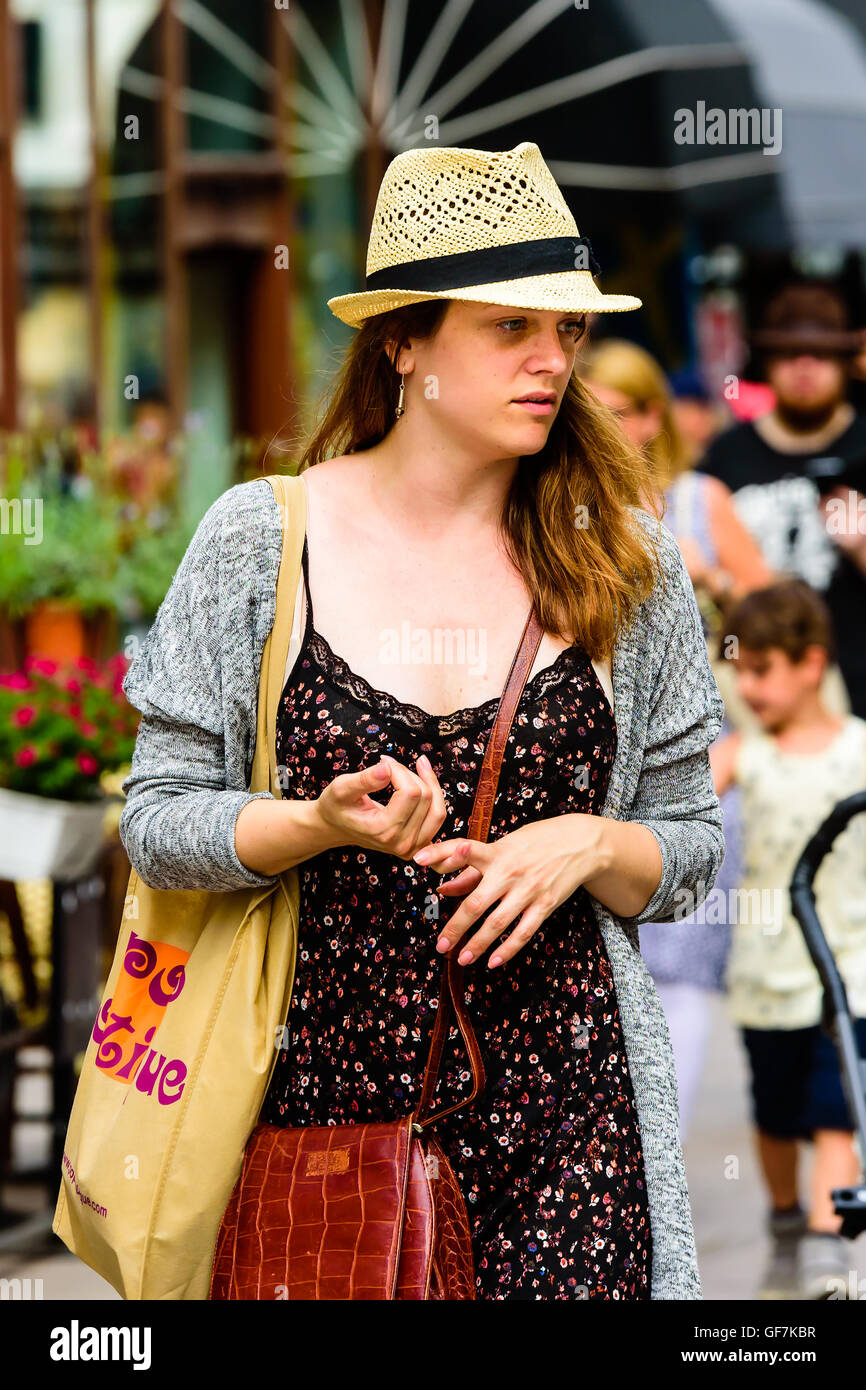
(469, 376)
(641, 423)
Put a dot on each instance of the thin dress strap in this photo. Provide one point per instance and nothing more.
(306, 564)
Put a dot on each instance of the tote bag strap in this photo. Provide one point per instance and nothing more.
(291, 498)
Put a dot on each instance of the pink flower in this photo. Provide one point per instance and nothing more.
(23, 716)
(26, 755)
(87, 763)
(73, 685)
(87, 729)
(41, 664)
(15, 680)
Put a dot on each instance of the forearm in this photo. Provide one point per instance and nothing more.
(184, 839)
(630, 867)
(272, 836)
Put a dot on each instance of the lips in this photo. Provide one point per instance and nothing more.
(546, 397)
(537, 404)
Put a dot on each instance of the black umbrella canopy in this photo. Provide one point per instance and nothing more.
(644, 109)
(648, 110)
(598, 89)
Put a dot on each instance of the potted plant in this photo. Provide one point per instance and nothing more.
(64, 730)
(62, 573)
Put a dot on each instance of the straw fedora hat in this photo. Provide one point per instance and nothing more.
(485, 225)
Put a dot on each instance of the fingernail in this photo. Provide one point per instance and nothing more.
(442, 943)
(465, 957)
(421, 857)
(495, 960)
(425, 762)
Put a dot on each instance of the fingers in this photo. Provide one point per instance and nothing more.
(416, 810)
(350, 786)
(479, 901)
(437, 809)
(463, 883)
(408, 807)
(448, 855)
(524, 921)
(414, 813)
(521, 934)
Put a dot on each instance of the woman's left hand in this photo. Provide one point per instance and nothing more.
(528, 873)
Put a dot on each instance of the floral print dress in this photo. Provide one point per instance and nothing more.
(549, 1156)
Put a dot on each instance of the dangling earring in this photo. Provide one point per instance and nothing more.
(401, 409)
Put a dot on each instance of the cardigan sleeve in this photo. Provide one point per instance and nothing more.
(675, 797)
(178, 822)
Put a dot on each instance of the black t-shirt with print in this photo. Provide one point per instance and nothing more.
(778, 502)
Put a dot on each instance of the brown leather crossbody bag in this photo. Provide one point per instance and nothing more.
(368, 1211)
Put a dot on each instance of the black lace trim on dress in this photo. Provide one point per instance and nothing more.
(341, 675)
(344, 678)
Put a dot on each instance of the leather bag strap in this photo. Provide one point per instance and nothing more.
(452, 991)
(291, 499)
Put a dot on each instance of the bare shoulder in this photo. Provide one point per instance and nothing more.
(336, 472)
(338, 482)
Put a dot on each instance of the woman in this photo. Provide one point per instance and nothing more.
(723, 559)
(687, 960)
(454, 504)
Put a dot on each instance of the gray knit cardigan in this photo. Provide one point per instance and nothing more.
(195, 681)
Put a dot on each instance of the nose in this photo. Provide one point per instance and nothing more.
(549, 356)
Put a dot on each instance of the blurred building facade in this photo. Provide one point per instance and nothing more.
(183, 186)
(156, 241)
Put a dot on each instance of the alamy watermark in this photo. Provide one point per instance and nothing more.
(438, 646)
(762, 907)
(737, 126)
(22, 516)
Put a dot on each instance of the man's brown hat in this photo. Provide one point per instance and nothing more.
(807, 318)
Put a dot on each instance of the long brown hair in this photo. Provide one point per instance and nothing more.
(566, 526)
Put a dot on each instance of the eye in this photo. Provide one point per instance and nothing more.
(573, 327)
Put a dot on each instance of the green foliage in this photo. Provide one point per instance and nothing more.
(88, 553)
(146, 570)
(75, 556)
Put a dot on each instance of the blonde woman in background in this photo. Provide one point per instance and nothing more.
(721, 555)
(686, 959)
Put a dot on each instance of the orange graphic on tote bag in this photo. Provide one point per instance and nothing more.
(152, 978)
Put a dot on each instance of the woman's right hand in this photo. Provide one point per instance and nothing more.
(409, 820)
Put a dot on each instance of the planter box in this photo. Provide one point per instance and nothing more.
(41, 837)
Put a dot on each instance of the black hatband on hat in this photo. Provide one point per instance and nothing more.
(515, 261)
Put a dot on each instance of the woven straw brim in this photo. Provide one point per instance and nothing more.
(570, 291)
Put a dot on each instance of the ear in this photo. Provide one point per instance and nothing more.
(816, 661)
(400, 360)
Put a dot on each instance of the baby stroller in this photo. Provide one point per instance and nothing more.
(849, 1203)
